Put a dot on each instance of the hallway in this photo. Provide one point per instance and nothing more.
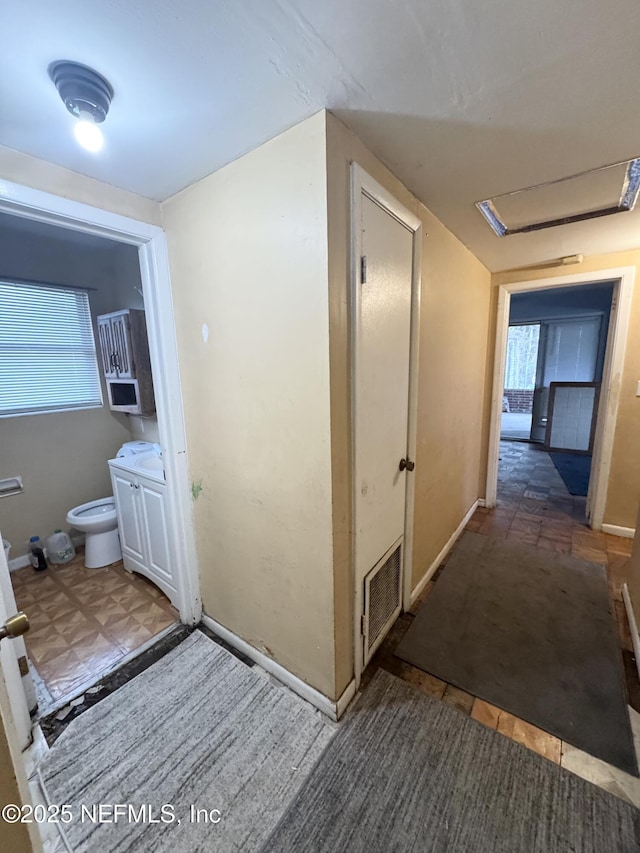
(534, 507)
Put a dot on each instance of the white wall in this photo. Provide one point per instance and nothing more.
(248, 253)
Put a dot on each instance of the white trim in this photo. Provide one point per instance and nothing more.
(443, 553)
(614, 363)
(633, 625)
(333, 710)
(482, 502)
(362, 182)
(614, 530)
(345, 699)
(33, 204)
(497, 393)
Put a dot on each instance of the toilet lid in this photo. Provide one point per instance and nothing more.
(96, 510)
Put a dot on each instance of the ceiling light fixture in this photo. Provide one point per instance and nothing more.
(87, 96)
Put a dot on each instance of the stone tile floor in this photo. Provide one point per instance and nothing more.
(84, 621)
(534, 506)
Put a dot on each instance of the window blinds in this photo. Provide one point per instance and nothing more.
(47, 352)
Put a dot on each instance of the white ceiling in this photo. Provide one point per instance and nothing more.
(463, 100)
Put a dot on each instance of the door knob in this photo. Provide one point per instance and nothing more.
(408, 464)
(15, 626)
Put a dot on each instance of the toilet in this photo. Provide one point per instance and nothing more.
(98, 520)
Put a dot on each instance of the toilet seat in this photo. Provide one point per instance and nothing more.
(93, 508)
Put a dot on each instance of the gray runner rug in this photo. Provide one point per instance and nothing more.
(198, 728)
(534, 633)
(407, 773)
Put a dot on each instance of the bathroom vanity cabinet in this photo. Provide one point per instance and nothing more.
(125, 361)
(142, 522)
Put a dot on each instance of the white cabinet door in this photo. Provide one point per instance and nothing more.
(151, 496)
(130, 524)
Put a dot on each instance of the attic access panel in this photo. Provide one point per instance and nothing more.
(599, 192)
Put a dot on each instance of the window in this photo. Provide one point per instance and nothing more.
(47, 352)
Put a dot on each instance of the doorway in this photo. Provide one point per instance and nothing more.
(386, 240)
(556, 335)
(149, 243)
(553, 344)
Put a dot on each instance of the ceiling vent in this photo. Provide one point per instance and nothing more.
(589, 195)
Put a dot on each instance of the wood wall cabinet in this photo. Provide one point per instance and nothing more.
(124, 357)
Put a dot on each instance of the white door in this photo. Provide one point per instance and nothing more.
(10, 650)
(381, 402)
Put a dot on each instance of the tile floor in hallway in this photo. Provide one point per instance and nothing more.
(535, 507)
(83, 621)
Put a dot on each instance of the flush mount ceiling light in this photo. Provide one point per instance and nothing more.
(87, 96)
(589, 195)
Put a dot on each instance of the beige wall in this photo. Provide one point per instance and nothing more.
(623, 495)
(23, 169)
(248, 254)
(454, 364)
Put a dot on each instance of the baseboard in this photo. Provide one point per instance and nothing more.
(614, 530)
(333, 710)
(18, 563)
(21, 562)
(482, 502)
(633, 625)
(443, 553)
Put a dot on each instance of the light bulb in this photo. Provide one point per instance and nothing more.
(88, 135)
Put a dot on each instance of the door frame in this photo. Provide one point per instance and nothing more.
(362, 182)
(18, 200)
(623, 279)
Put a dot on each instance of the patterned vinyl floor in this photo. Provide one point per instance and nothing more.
(85, 620)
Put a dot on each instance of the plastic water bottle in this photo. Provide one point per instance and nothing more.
(36, 554)
(60, 548)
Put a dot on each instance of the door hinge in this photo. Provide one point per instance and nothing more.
(363, 269)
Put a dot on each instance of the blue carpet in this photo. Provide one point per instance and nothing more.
(575, 470)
